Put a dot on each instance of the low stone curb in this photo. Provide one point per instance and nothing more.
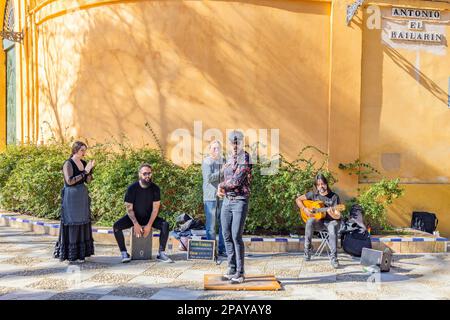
(417, 244)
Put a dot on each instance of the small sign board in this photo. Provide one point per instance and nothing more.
(201, 249)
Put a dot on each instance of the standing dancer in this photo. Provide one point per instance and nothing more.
(75, 240)
(236, 190)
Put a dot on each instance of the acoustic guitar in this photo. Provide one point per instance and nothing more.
(319, 210)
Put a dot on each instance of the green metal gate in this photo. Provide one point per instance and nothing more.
(9, 38)
(11, 133)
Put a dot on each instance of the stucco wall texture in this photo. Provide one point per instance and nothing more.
(103, 69)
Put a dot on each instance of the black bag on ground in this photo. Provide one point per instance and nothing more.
(354, 242)
(182, 218)
(424, 221)
(354, 234)
(185, 222)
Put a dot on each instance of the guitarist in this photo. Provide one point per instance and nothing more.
(330, 222)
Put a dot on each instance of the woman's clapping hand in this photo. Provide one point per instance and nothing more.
(90, 166)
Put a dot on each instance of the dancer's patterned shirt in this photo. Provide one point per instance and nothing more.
(237, 176)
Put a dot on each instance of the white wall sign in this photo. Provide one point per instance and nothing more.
(416, 13)
(416, 36)
(416, 30)
(415, 25)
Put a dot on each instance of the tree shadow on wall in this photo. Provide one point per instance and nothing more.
(134, 60)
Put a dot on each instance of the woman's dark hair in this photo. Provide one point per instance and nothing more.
(77, 145)
(320, 176)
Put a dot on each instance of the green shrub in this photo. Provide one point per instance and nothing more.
(33, 185)
(272, 207)
(375, 197)
(10, 158)
(180, 188)
(31, 180)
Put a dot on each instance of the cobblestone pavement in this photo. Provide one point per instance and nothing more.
(28, 271)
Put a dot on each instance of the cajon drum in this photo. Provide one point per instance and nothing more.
(141, 248)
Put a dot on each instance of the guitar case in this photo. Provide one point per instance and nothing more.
(354, 234)
(354, 242)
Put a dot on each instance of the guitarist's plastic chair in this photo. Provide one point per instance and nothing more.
(324, 244)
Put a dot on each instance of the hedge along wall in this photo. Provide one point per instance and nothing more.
(31, 180)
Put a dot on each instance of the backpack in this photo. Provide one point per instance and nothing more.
(354, 234)
(424, 221)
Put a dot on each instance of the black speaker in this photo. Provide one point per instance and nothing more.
(382, 259)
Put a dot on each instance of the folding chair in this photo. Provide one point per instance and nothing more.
(324, 244)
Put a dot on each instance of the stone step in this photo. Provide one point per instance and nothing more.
(398, 244)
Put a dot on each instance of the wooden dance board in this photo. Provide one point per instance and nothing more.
(255, 282)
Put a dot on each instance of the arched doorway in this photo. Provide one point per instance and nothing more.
(10, 54)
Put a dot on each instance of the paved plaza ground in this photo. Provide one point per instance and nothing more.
(28, 271)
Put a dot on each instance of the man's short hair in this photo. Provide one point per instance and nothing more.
(235, 135)
(145, 165)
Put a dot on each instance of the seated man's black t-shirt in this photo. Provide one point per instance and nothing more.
(330, 200)
(142, 200)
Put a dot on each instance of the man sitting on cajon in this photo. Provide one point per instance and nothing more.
(142, 200)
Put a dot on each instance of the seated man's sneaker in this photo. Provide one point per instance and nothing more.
(162, 256)
(334, 263)
(237, 278)
(125, 257)
(230, 274)
(222, 254)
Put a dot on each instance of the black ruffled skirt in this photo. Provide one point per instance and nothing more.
(75, 242)
(75, 232)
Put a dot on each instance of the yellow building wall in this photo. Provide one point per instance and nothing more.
(344, 97)
(110, 69)
(405, 118)
(405, 131)
(97, 69)
(422, 197)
